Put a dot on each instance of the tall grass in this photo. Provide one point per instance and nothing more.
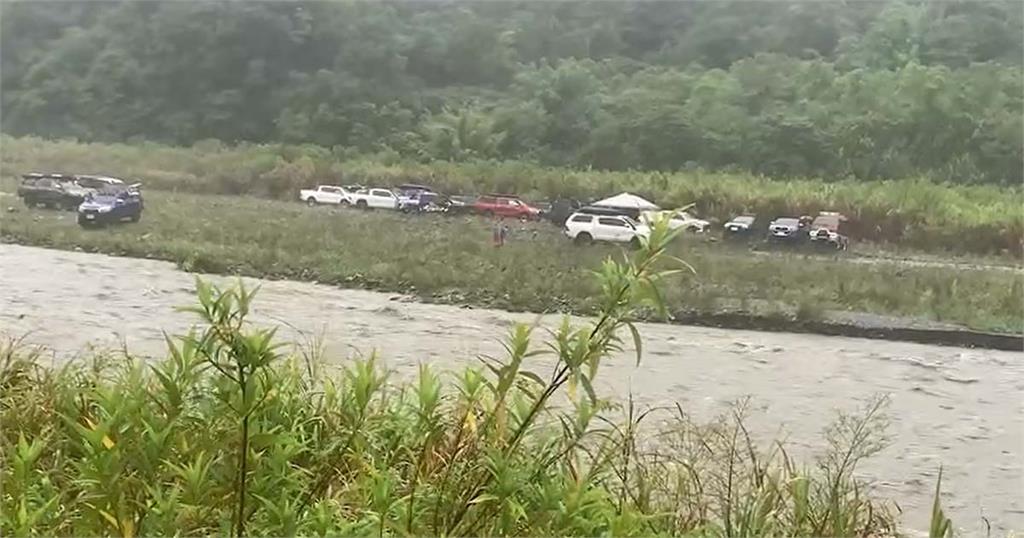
(911, 212)
(229, 434)
(452, 260)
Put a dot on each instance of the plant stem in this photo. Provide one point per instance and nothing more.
(243, 463)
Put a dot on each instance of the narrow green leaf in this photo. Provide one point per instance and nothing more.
(637, 342)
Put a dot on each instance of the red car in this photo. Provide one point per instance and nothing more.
(503, 205)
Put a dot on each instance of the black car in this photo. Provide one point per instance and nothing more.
(109, 206)
(559, 210)
(57, 191)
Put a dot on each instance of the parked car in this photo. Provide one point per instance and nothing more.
(412, 197)
(57, 191)
(584, 228)
(375, 198)
(826, 229)
(560, 209)
(742, 226)
(416, 201)
(97, 183)
(111, 205)
(787, 229)
(460, 205)
(324, 194)
(678, 220)
(504, 205)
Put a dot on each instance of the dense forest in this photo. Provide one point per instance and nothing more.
(827, 89)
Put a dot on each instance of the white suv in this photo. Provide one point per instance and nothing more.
(584, 228)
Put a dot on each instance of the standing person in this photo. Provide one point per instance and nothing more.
(504, 231)
(497, 235)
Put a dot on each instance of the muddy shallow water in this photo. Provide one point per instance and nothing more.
(956, 407)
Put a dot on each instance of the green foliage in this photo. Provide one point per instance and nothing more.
(863, 90)
(941, 526)
(225, 432)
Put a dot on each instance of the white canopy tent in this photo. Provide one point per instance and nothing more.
(627, 201)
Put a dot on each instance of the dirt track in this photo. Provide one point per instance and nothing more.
(956, 407)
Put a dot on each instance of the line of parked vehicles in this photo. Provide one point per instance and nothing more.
(623, 218)
(97, 200)
(412, 198)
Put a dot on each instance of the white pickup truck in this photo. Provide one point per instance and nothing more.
(324, 194)
(374, 199)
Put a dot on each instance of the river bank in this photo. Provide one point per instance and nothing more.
(949, 406)
(451, 261)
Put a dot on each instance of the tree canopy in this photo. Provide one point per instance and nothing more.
(860, 89)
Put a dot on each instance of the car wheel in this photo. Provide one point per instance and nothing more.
(136, 217)
(635, 243)
(311, 201)
(361, 204)
(488, 214)
(583, 238)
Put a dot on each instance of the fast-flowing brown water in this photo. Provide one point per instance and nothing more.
(955, 407)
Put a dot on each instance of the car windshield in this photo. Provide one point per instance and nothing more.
(631, 222)
(744, 220)
(787, 222)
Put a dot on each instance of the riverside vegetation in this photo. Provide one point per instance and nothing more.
(231, 434)
(451, 260)
(911, 213)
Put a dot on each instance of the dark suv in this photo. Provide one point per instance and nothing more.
(111, 205)
(57, 191)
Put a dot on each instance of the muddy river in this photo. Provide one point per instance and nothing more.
(956, 407)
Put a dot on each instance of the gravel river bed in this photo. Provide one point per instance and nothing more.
(959, 408)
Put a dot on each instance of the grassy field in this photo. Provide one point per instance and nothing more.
(226, 436)
(451, 259)
(908, 213)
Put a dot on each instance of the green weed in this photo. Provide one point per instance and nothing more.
(227, 435)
